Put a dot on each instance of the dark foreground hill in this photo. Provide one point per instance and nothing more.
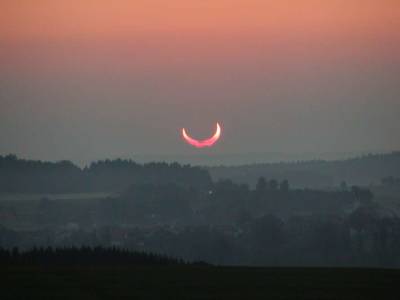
(197, 282)
(365, 170)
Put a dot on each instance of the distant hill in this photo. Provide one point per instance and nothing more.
(364, 170)
(29, 176)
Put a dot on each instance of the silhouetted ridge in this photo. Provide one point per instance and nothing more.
(28, 176)
(364, 170)
(83, 256)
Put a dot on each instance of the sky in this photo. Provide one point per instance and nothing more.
(84, 80)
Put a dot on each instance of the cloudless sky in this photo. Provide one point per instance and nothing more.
(84, 79)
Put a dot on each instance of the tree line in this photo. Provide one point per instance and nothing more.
(362, 170)
(29, 176)
(83, 256)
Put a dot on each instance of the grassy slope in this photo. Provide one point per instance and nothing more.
(188, 282)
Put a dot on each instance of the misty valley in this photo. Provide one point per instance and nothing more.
(203, 214)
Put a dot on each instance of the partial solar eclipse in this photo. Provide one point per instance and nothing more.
(202, 143)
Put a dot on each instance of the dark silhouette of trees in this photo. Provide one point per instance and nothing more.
(179, 211)
(28, 176)
(273, 185)
(284, 186)
(317, 173)
(261, 185)
(364, 196)
(83, 256)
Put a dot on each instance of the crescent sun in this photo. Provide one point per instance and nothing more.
(202, 143)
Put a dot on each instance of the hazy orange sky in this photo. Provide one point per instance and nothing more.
(48, 19)
(86, 79)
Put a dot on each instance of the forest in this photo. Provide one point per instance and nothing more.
(180, 211)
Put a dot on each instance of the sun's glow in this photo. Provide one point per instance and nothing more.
(202, 143)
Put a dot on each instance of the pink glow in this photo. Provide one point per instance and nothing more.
(203, 143)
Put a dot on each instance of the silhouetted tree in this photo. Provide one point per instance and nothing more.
(343, 186)
(261, 185)
(364, 196)
(284, 186)
(273, 185)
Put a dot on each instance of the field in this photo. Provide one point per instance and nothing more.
(197, 282)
